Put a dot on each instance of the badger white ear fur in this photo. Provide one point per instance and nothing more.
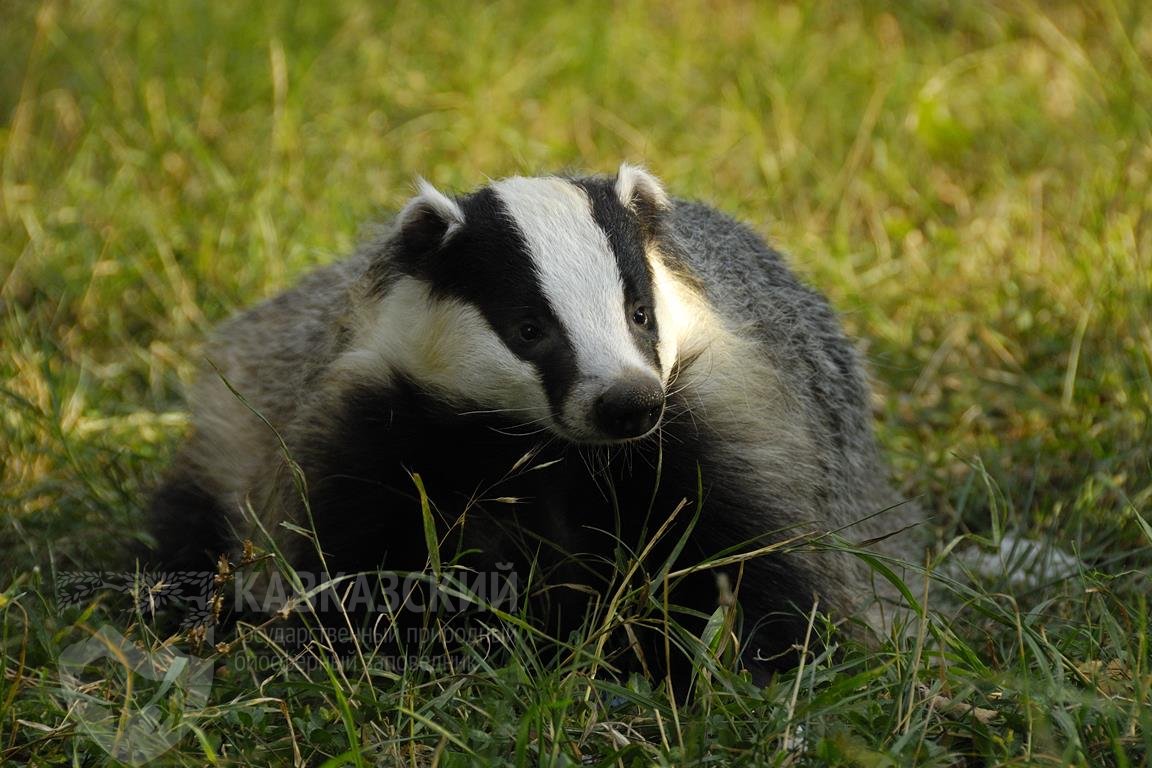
(639, 190)
(430, 218)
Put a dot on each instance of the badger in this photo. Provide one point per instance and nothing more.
(581, 371)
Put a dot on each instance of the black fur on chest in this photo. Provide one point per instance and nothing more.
(566, 520)
(500, 492)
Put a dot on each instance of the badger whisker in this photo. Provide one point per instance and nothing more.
(498, 411)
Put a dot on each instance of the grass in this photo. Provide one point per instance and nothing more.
(971, 184)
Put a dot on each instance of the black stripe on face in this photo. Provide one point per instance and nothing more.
(625, 234)
(487, 263)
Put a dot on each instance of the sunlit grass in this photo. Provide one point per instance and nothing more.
(970, 184)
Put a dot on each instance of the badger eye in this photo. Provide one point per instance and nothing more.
(640, 316)
(529, 332)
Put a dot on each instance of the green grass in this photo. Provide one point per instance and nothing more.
(970, 183)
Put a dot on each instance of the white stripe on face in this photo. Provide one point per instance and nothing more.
(577, 271)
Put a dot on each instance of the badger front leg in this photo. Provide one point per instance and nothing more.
(190, 525)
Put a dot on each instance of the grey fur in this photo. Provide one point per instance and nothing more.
(750, 284)
(827, 394)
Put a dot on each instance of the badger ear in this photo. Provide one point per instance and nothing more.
(641, 192)
(429, 219)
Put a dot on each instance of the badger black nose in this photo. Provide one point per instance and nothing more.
(629, 408)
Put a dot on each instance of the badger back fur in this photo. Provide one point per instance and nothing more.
(563, 361)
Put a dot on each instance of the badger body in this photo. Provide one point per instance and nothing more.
(575, 368)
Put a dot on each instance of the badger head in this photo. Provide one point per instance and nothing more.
(541, 299)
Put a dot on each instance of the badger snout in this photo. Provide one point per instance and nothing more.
(631, 407)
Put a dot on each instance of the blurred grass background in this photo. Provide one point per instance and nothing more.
(970, 183)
